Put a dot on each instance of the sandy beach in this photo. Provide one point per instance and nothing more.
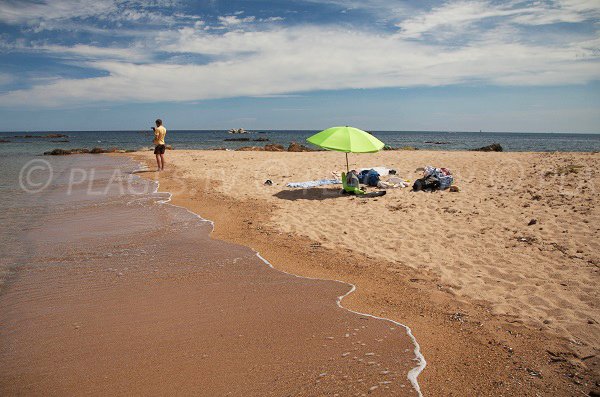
(498, 281)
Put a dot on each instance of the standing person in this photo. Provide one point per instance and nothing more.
(159, 141)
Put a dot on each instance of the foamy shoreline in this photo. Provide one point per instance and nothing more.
(412, 375)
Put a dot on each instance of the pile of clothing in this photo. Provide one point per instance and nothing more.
(372, 177)
(369, 177)
(434, 179)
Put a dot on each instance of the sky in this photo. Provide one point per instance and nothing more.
(462, 65)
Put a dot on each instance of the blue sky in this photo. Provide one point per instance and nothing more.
(308, 64)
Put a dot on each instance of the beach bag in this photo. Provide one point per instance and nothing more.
(445, 181)
(427, 183)
(369, 177)
(352, 180)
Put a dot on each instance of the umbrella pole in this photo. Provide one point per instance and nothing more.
(347, 168)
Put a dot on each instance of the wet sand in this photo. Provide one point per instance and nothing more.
(494, 315)
(127, 296)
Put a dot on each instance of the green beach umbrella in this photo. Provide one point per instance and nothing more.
(348, 140)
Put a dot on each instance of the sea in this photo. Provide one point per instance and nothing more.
(27, 143)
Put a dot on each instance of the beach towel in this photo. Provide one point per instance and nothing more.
(319, 182)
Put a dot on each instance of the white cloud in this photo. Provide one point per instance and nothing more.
(252, 57)
(233, 20)
(14, 12)
(384, 9)
(460, 17)
(88, 52)
(288, 60)
(60, 14)
(456, 15)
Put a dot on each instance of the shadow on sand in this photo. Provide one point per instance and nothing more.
(310, 194)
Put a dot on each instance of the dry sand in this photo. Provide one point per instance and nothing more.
(499, 306)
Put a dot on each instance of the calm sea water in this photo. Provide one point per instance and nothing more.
(184, 139)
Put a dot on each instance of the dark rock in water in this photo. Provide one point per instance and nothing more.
(296, 147)
(236, 139)
(4, 141)
(96, 150)
(57, 152)
(61, 141)
(42, 136)
(437, 143)
(494, 147)
(261, 140)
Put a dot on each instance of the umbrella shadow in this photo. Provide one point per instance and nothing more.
(309, 194)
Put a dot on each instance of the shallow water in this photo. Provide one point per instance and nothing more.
(108, 290)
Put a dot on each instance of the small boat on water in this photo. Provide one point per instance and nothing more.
(238, 131)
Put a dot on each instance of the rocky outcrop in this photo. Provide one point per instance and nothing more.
(267, 148)
(42, 136)
(494, 147)
(236, 139)
(296, 147)
(96, 150)
(274, 148)
(61, 152)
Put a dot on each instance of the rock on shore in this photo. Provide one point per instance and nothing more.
(293, 147)
(494, 147)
